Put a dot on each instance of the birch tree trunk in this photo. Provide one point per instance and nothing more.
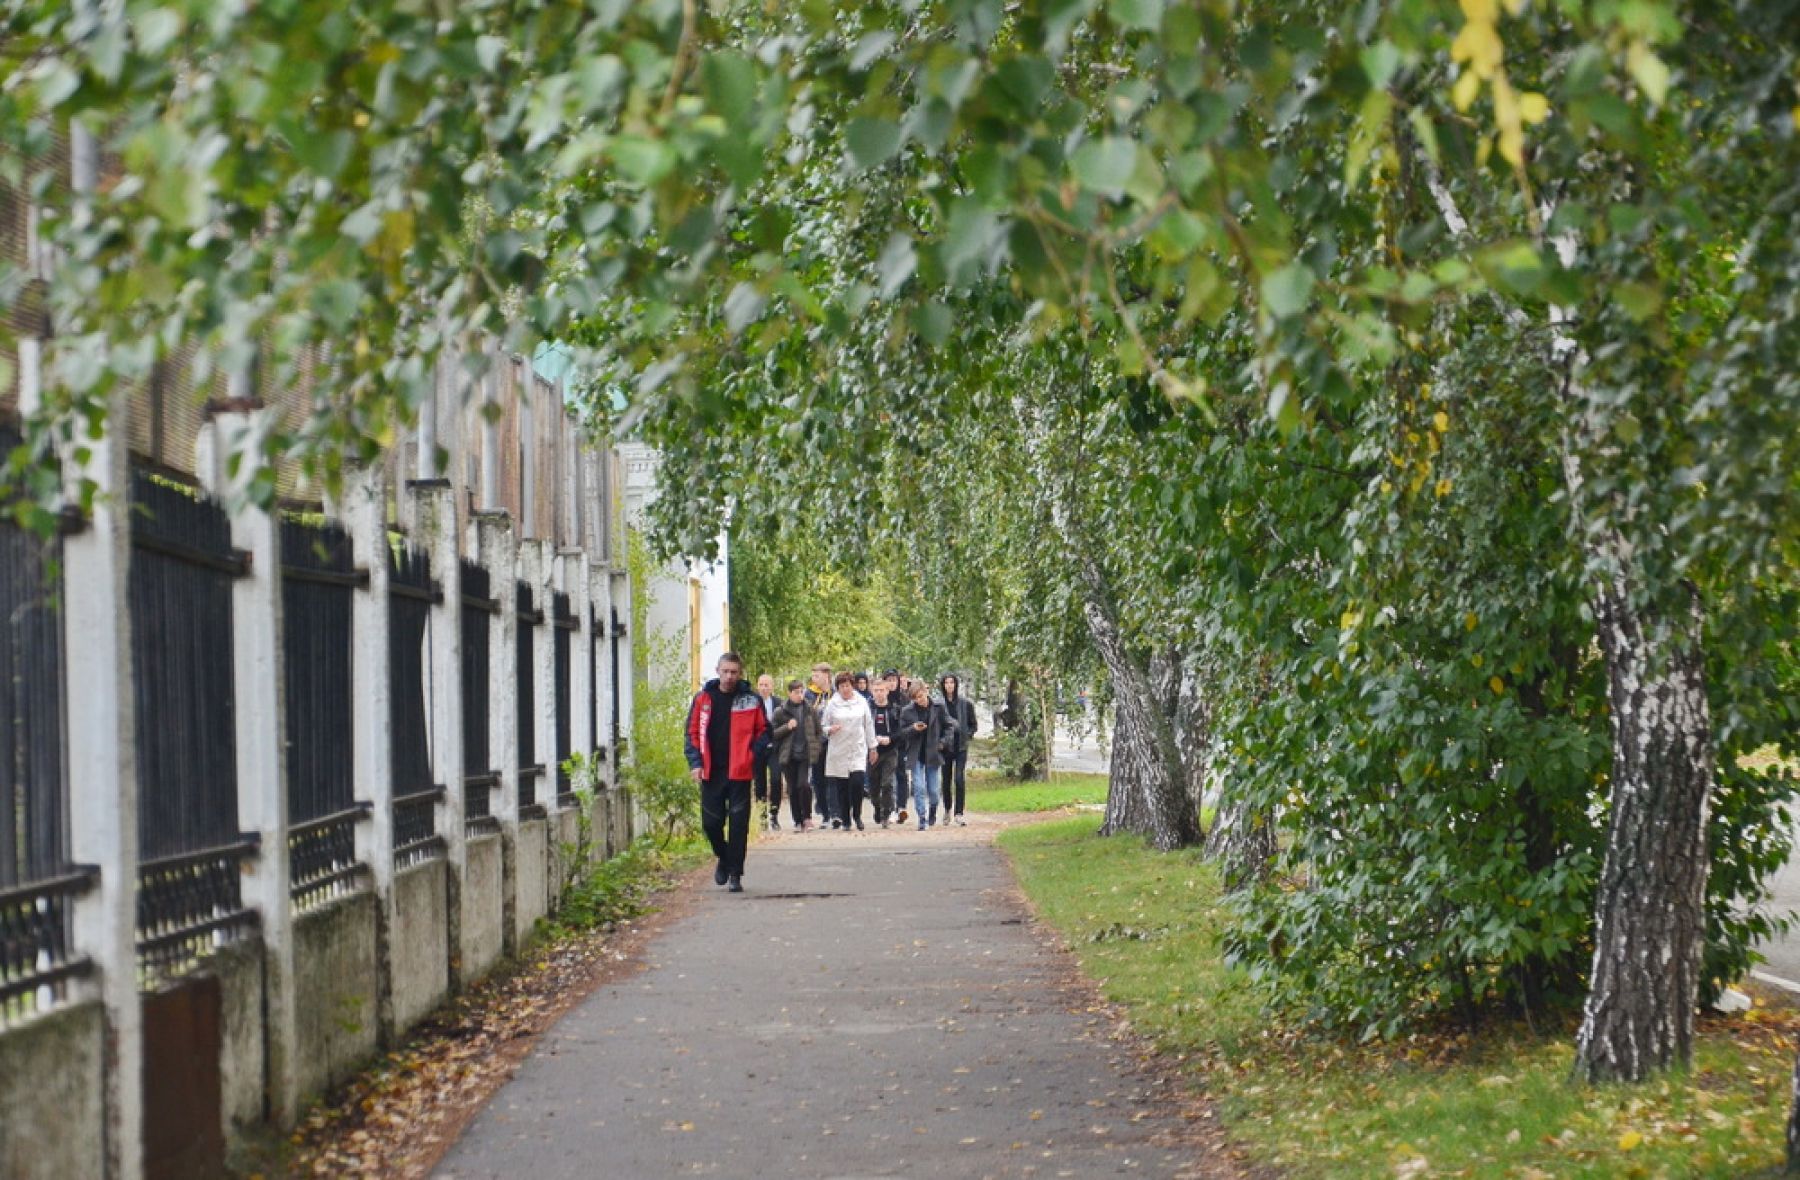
(1793, 1125)
(1650, 910)
(1242, 840)
(1146, 794)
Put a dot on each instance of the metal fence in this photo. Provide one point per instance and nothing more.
(318, 588)
(563, 624)
(190, 849)
(530, 769)
(480, 777)
(38, 886)
(412, 593)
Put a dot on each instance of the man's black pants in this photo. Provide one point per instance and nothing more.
(768, 782)
(725, 817)
(881, 783)
(800, 796)
(956, 778)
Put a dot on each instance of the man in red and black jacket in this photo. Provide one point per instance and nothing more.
(726, 728)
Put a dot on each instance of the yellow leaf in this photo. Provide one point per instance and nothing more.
(1441, 420)
(1443, 488)
(1469, 621)
(1629, 1140)
(1534, 108)
(1466, 88)
(1514, 7)
(1512, 146)
(1498, 685)
(1484, 12)
(1479, 45)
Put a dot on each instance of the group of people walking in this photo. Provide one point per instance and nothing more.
(831, 745)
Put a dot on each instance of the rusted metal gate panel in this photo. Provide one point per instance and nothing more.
(183, 1135)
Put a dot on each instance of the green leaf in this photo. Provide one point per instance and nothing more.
(1287, 291)
(870, 47)
(1105, 166)
(872, 142)
(743, 306)
(1649, 71)
(1379, 62)
(933, 322)
(897, 263)
(1145, 15)
(729, 80)
(642, 161)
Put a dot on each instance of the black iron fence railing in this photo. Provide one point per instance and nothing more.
(478, 802)
(37, 957)
(322, 861)
(564, 624)
(189, 846)
(190, 905)
(33, 804)
(479, 609)
(529, 807)
(412, 593)
(525, 668)
(415, 828)
(318, 588)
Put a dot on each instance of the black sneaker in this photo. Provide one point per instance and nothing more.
(719, 874)
(775, 823)
(859, 826)
(737, 884)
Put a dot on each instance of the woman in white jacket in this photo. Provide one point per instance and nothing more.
(849, 730)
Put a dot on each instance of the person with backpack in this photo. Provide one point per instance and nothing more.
(726, 727)
(797, 740)
(961, 711)
(929, 727)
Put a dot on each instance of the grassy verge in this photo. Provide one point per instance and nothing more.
(990, 793)
(1493, 1104)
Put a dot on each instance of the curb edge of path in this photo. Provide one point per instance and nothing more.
(1215, 1156)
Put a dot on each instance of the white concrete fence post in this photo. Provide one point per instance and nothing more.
(621, 605)
(259, 690)
(497, 550)
(434, 516)
(102, 777)
(365, 517)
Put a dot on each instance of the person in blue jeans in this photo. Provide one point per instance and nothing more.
(930, 730)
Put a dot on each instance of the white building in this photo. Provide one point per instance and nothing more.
(688, 616)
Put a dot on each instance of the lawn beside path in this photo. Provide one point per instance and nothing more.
(1497, 1103)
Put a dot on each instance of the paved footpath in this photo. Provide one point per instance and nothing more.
(874, 1005)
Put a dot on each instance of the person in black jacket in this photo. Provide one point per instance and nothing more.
(928, 726)
(798, 741)
(961, 711)
(887, 752)
(902, 763)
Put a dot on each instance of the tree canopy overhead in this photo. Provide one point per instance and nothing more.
(1402, 396)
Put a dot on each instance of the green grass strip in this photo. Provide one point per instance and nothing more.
(1494, 1103)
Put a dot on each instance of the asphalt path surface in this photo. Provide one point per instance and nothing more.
(875, 1004)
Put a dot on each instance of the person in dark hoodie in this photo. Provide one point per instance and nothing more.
(961, 711)
(928, 725)
(726, 729)
(887, 753)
